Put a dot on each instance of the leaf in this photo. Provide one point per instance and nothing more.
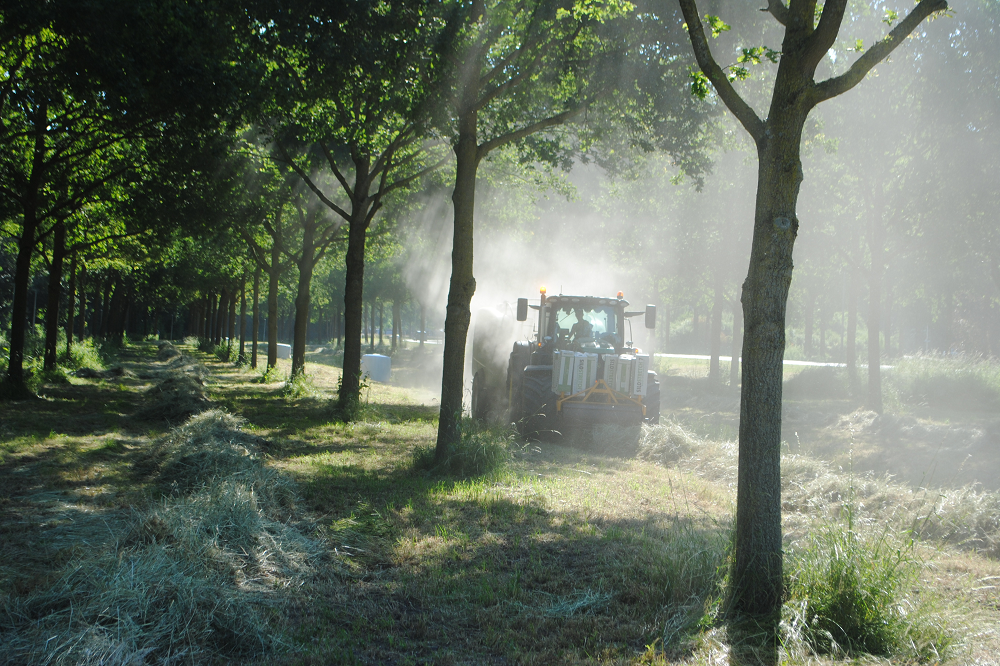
(891, 17)
(699, 84)
(717, 25)
(859, 45)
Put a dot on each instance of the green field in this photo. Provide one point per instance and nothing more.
(262, 530)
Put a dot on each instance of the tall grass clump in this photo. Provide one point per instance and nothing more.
(200, 576)
(84, 354)
(960, 382)
(849, 594)
(301, 386)
(482, 449)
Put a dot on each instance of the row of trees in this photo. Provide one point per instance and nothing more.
(186, 150)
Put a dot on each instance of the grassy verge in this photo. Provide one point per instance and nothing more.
(272, 532)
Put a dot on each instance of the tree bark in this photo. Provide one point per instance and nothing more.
(83, 302)
(354, 308)
(371, 328)
(852, 332)
(54, 296)
(305, 265)
(231, 332)
(714, 373)
(256, 318)
(381, 322)
(807, 334)
(876, 243)
(395, 323)
(243, 320)
(272, 308)
(462, 286)
(71, 306)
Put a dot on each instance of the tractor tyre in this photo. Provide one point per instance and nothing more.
(652, 399)
(537, 402)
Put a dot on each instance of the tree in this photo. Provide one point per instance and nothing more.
(353, 93)
(757, 570)
(517, 72)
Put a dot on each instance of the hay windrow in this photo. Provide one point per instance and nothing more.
(198, 576)
(180, 394)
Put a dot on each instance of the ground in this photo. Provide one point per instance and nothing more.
(612, 554)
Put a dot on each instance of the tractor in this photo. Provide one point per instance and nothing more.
(578, 369)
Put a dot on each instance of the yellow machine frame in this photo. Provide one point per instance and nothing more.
(599, 393)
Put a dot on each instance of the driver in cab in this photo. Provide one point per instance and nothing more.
(582, 329)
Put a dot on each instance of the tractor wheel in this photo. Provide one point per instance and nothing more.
(652, 399)
(537, 407)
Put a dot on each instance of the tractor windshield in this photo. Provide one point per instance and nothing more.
(582, 326)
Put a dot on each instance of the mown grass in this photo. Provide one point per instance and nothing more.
(508, 553)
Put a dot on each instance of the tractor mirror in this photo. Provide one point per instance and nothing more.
(522, 309)
(650, 316)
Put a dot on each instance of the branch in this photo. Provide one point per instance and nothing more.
(336, 172)
(746, 115)
(877, 53)
(825, 35)
(312, 186)
(409, 179)
(528, 130)
(778, 10)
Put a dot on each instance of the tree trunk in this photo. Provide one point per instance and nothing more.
(231, 333)
(272, 311)
(83, 302)
(395, 324)
(757, 569)
(714, 374)
(462, 286)
(695, 330)
(666, 326)
(243, 320)
(22, 265)
(888, 319)
(822, 334)
(71, 306)
(423, 325)
(110, 291)
(256, 318)
(807, 334)
(354, 308)
(306, 263)
(734, 364)
(875, 243)
(54, 296)
(371, 328)
(381, 322)
(852, 333)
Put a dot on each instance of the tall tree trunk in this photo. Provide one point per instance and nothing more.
(757, 568)
(306, 262)
(256, 318)
(462, 285)
(876, 244)
(381, 322)
(807, 335)
(714, 374)
(110, 290)
(734, 364)
(888, 319)
(851, 344)
(354, 309)
(71, 306)
(695, 328)
(22, 265)
(54, 296)
(822, 333)
(272, 315)
(83, 302)
(371, 328)
(423, 325)
(231, 333)
(395, 323)
(243, 320)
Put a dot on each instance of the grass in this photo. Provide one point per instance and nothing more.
(280, 534)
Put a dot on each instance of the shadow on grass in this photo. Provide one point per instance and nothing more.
(447, 568)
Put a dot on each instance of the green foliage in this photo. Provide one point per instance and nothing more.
(481, 449)
(300, 386)
(717, 25)
(849, 594)
(700, 85)
(952, 382)
(270, 375)
(86, 354)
